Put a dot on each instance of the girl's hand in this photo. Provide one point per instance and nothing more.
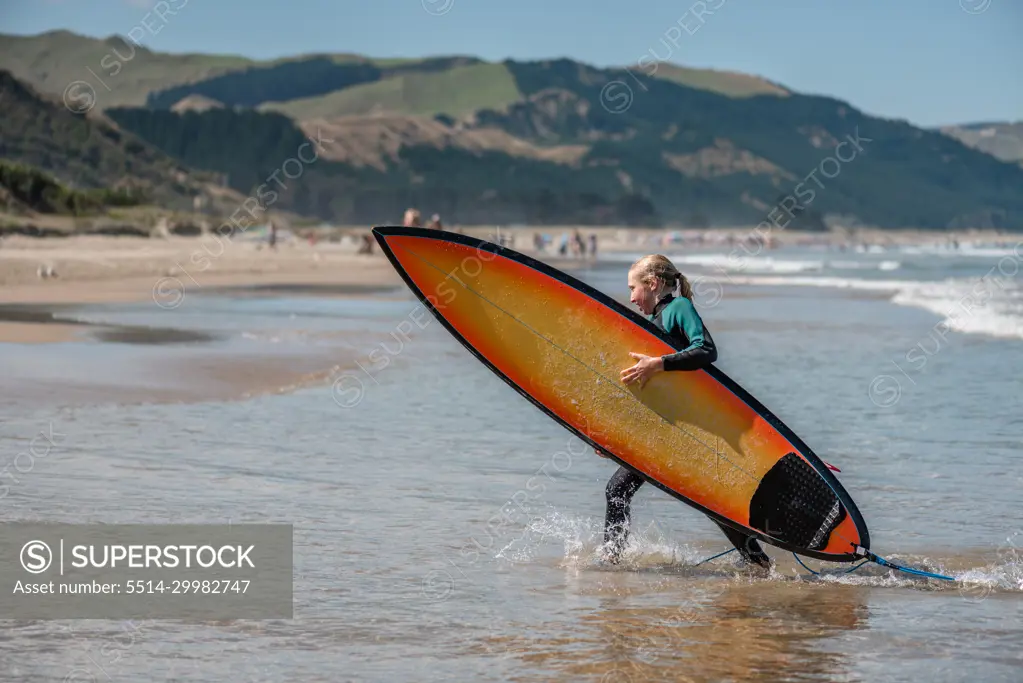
(600, 453)
(645, 368)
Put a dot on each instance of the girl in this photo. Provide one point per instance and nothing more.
(652, 283)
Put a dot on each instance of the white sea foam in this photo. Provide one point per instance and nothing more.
(967, 249)
(768, 264)
(990, 307)
(864, 265)
(738, 262)
(823, 281)
(870, 249)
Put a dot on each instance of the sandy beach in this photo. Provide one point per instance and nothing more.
(110, 269)
(37, 273)
(44, 282)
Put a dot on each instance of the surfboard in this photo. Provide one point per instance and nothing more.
(697, 435)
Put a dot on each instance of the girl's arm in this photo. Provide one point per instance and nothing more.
(701, 351)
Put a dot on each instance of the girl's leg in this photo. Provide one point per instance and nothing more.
(620, 489)
(747, 546)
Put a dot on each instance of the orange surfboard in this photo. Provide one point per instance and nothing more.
(697, 435)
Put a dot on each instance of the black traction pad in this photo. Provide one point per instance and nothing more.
(795, 505)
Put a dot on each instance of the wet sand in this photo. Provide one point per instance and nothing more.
(98, 269)
(107, 270)
(160, 275)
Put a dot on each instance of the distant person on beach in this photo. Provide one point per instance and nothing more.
(272, 237)
(366, 247)
(563, 245)
(593, 245)
(435, 223)
(578, 245)
(413, 219)
(653, 281)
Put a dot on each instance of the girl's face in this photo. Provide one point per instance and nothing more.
(643, 295)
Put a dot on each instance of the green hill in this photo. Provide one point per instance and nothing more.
(726, 161)
(88, 152)
(124, 74)
(302, 79)
(24, 189)
(248, 146)
(726, 83)
(457, 91)
(1001, 140)
(120, 72)
(221, 140)
(541, 142)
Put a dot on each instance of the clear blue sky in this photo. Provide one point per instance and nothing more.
(929, 61)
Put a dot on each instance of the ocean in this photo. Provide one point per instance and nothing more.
(446, 530)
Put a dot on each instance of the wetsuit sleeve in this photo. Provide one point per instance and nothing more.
(701, 351)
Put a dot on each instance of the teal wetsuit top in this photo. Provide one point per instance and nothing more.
(678, 317)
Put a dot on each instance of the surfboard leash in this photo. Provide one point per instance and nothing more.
(816, 573)
(871, 557)
(877, 559)
(868, 557)
(721, 554)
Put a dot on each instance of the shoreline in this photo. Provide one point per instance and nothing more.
(101, 269)
(95, 269)
(36, 311)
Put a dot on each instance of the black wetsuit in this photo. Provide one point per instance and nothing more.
(683, 324)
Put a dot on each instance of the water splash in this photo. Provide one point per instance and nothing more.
(575, 543)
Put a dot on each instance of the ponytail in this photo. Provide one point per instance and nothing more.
(685, 290)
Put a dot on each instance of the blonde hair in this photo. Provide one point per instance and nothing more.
(659, 267)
